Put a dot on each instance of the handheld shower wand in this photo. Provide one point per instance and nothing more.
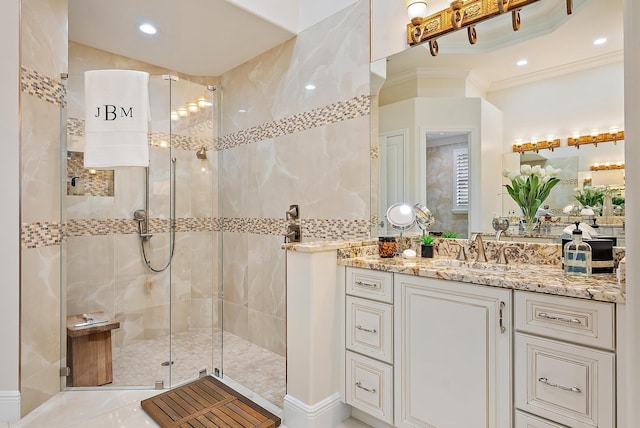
(142, 217)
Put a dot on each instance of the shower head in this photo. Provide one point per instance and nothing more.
(140, 215)
(202, 153)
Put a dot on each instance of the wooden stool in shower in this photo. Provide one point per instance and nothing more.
(89, 350)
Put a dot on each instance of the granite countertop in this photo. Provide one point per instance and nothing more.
(547, 279)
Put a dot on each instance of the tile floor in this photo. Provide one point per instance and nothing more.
(254, 367)
(253, 371)
(103, 409)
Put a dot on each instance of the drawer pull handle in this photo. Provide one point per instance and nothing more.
(359, 385)
(368, 330)
(555, 318)
(502, 327)
(564, 388)
(366, 284)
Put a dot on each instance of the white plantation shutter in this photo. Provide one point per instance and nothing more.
(461, 181)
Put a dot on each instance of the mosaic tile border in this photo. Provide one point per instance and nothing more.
(333, 113)
(41, 234)
(75, 127)
(43, 87)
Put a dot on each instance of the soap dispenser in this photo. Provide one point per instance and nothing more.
(577, 255)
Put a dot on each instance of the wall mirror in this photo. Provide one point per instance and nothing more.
(548, 78)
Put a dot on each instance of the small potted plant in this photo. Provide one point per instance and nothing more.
(450, 235)
(426, 246)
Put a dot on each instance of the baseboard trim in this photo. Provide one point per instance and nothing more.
(326, 413)
(9, 406)
(368, 419)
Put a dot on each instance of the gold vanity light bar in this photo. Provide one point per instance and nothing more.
(595, 138)
(606, 166)
(535, 146)
(464, 14)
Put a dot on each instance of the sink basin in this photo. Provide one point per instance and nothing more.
(472, 266)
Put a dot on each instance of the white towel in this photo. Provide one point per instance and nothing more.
(116, 118)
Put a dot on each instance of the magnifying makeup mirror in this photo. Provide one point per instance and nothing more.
(401, 217)
(424, 217)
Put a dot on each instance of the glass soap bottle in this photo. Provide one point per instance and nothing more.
(577, 255)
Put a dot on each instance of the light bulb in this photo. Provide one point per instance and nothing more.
(416, 10)
(192, 107)
(148, 29)
(182, 112)
(174, 115)
(202, 102)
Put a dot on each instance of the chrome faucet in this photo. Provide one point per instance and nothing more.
(477, 238)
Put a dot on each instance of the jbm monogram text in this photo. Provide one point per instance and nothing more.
(111, 112)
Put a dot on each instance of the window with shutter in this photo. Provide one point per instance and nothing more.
(461, 181)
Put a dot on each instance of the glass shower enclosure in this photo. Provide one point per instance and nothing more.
(141, 301)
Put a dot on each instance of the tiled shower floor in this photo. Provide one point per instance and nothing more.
(255, 368)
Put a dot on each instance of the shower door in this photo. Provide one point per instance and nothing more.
(195, 336)
(152, 275)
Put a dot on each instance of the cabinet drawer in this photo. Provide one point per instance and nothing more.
(370, 284)
(580, 321)
(369, 386)
(370, 328)
(568, 384)
(524, 420)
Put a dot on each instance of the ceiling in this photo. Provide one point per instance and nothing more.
(196, 37)
(552, 42)
(210, 37)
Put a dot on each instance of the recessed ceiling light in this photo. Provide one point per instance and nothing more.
(600, 41)
(242, 110)
(522, 62)
(310, 87)
(148, 29)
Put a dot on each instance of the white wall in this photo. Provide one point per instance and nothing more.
(562, 105)
(487, 187)
(483, 121)
(388, 22)
(9, 189)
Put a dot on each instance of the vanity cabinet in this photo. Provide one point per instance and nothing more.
(427, 352)
(564, 362)
(452, 354)
(369, 342)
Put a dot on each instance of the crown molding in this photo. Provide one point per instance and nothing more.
(598, 61)
(427, 73)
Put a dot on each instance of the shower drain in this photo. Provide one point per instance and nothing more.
(166, 363)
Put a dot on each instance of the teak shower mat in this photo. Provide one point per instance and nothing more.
(207, 402)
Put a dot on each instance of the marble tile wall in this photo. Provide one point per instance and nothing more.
(292, 146)
(440, 194)
(44, 57)
(105, 267)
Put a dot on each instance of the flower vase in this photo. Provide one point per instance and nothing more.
(530, 220)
